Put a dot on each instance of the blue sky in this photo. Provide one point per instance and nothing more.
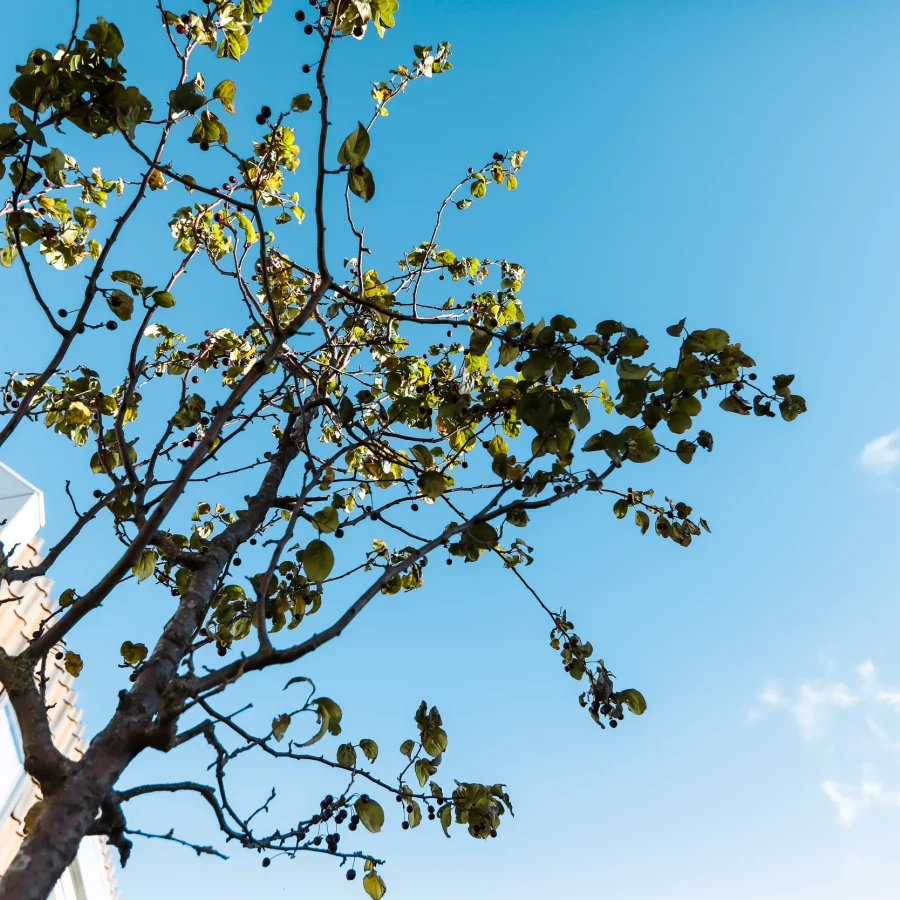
(738, 164)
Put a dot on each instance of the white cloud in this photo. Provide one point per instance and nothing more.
(812, 711)
(851, 804)
(891, 698)
(883, 454)
(847, 806)
(817, 708)
(771, 695)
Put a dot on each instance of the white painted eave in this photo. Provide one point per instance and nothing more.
(21, 509)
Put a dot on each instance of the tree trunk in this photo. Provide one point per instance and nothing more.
(65, 818)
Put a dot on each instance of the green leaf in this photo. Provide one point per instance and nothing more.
(125, 276)
(186, 97)
(711, 340)
(620, 508)
(346, 755)
(355, 148)
(445, 815)
(633, 699)
(233, 44)
(425, 768)
(407, 747)
(133, 654)
(163, 299)
(734, 403)
(318, 560)
(250, 235)
(301, 103)
(328, 716)
(642, 520)
(685, 451)
(369, 748)
(326, 519)
(791, 407)
(432, 484)
(145, 565)
(361, 182)
(370, 814)
(434, 741)
(121, 304)
(225, 91)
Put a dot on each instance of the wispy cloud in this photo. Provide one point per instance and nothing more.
(883, 454)
(852, 803)
(815, 705)
(891, 698)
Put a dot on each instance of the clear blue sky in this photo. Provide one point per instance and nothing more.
(735, 163)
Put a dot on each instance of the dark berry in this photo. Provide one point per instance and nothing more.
(358, 31)
(112, 326)
(260, 119)
(252, 540)
(364, 799)
(299, 15)
(179, 29)
(236, 561)
(317, 840)
(195, 379)
(307, 29)
(186, 19)
(62, 313)
(266, 862)
(351, 874)
(414, 507)
(221, 651)
(613, 723)
(449, 562)
(339, 532)
(493, 832)
(405, 826)
(232, 179)
(204, 145)
(304, 69)
(218, 217)
(266, 111)
(60, 655)
(47, 182)
(752, 376)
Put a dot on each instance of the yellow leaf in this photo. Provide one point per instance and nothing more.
(73, 663)
(374, 886)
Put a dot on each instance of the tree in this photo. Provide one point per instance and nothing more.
(383, 406)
